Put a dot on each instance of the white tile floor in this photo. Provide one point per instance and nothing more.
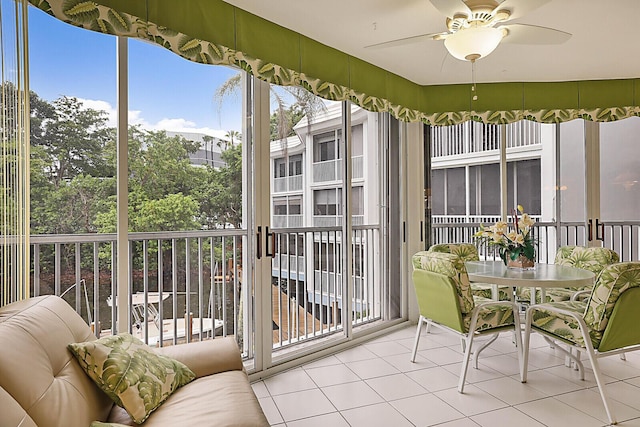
(375, 384)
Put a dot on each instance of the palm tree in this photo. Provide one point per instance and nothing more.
(305, 104)
(233, 134)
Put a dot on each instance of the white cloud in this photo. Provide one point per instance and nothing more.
(136, 118)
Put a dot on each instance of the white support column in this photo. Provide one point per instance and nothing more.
(414, 183)
(262, 214)
(504, 209)
(592, 183)
(347, 268)
(122, 194)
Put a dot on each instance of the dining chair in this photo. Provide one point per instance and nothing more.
(469, 252)
(592, 259)
(445, 300)
(605, 324)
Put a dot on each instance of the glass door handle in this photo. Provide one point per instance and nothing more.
(259, 243)
(272, 237)
(599, 230)
(590, 229)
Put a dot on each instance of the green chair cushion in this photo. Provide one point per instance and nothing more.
(551, 294)
(485, 290)
(466, 251)
(451, 266)
(613, 280)
(490, 317)
(563, 326)
(592, 259)
(131, 373)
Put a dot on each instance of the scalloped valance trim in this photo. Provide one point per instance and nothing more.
(104, 19)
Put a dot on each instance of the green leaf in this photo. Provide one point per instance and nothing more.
(81, 11)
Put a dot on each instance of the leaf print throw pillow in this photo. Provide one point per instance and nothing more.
(131, 373)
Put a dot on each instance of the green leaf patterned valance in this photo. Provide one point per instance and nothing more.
(215, 32)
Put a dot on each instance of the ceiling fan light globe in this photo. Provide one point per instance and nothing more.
(473, 42)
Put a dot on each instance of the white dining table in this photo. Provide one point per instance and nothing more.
(541, 277)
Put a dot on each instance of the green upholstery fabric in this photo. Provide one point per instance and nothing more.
(438, 299)
(434, 273)
(215, 32)
(490, 317)
(613, 281)
(469, 252)
(451, 266)
(561, 325)
(130, 373)
(592, 259)
(551, 294)
(466, 251)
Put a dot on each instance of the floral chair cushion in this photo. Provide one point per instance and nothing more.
(551, 294)
(469, 252)
(490, 317)
(561, 325)
(592, 259)
(466, 251)
(613, 281)
(449, 265)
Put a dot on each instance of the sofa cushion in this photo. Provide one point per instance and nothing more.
(130, 373)
(42, 383)
(192, 405)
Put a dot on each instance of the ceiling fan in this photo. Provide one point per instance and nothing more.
(476, 27)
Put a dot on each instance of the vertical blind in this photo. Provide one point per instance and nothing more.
(14, 141)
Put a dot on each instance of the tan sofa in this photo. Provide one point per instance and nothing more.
(42, 384)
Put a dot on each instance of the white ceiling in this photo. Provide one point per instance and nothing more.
(605, 42)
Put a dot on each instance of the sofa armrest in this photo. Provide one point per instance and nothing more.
(207, 357)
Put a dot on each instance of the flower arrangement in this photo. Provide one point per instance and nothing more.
(515, 244)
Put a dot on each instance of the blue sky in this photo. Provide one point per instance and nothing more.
(165, 90)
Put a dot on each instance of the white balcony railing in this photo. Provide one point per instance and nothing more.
(201, 273)
(473, 137)
(287, 183)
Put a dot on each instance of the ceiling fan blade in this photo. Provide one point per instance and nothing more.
(408, 40)
(519, 8)
(532, 34)
(450, 8)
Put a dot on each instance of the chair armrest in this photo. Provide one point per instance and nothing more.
(578, 294)
(206, 357)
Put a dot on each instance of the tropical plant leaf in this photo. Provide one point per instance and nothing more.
(120, 21)
(102, 26)
(189, 47)
(81, 11)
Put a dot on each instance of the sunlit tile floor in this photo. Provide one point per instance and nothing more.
(375, 384)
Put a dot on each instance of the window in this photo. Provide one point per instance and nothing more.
(484, 198)
(295, 207)
(456, 203)
(524, 185)
(325, 146)
(356, 141)
(437, 191)
(357, 201)
(280, 207)
(295, 165)
(327, 202)
(279, 168)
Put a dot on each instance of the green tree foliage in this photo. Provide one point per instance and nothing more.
(73, 184)
(219, 192)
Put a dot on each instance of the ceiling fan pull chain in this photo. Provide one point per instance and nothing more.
(473, 79)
